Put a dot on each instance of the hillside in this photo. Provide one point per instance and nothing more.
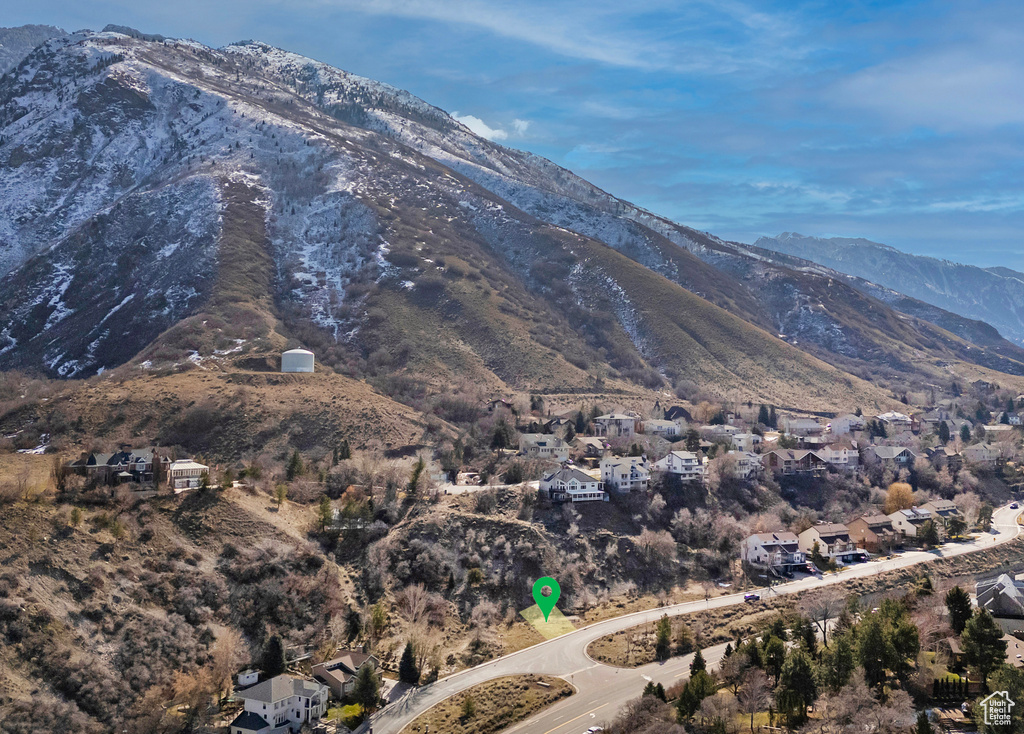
(17, 43)
(992, 295)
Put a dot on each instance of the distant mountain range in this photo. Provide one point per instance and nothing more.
(994, 295)
(17, 43)
(165, 204)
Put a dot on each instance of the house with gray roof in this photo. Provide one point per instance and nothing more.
(1002, 596)
(281, 704)
(569, 484)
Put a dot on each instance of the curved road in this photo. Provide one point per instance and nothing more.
(603, 689)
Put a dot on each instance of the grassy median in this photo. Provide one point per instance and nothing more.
(491, 707)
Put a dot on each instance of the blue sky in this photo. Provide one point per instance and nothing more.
(902, 122)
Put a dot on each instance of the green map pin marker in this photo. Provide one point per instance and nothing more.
(546, 603)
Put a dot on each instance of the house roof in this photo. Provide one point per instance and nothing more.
(279, 688)
(874, 521)
(892, 416)
(676, 412)
(891, 452)
(941, 506)
(915, 515)
(1003, 594)
(831, 529)
(567, 474)
(541, 439)
(615, 417)
(250, 722)
(772, 539)
(186, 464)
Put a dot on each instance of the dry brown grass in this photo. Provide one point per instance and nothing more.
(499, 704)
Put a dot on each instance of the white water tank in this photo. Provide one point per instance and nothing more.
(297, 360)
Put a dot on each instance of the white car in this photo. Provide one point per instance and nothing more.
(594, 730)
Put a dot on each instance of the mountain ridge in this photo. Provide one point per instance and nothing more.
(985, 294)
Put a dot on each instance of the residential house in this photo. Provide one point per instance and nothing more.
(719, 432)
(1002, 596)
(686, 466)
(928, 422)
(625, 473)
(845, 424)
(841, 455)
(874, 533)
(668, 429)
(185, 474)
(944, 457)
(942, 511)
(746, 441)
(777, 551)
(746, 464)
(281, 704)
(909, 522)
(981, 455)
(787, 462)
(833, 541)
(803, 426)
(339, 673)
(679, 415)
(615, 425)
(592, 447)
(569, 484)
(543, 446)
(997, 431)
(893, 457)
(895, 423)
(126, 465)
(1015, 419)
(560, 423)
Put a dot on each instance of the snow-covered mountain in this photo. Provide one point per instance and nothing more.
(993, 295)
(166, 202)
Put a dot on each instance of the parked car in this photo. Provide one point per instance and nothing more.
(751, 597)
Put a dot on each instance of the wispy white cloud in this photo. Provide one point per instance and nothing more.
(609, 32)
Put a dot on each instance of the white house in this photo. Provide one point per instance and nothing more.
(615, 424)
(839, 456)
(686, 465)
(569, 484)
(746, 441)
(895, 423)
(746, 464)
(543, 446)
(185, 474)
(279, 705)
(625, 473)
(780, 551)
(803, 426)
(909, 522)
(661, 428)
(845, 424)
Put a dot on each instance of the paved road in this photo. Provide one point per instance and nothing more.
(603, 689)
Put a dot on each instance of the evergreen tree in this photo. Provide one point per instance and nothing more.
(923, 725)
(928, 534)
(697, 688)
(728, 650)
(958, 602)
(965, 433)
(692, 440)
(325, 513)
(984, 648)
(698, 662)
(366, 689)
(408, 671)
(944, 432)
(414, 477)
(295, 467)
(663, 646)
(773, 419)
(762, 415)
(273, 657)
(797, 686)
